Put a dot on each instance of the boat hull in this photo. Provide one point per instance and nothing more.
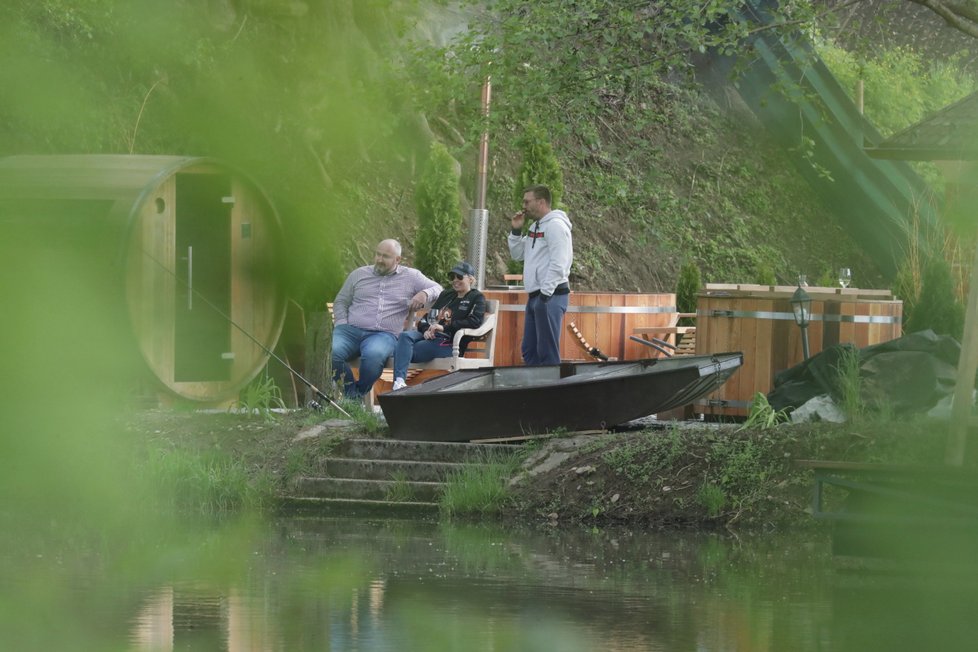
(498, 402)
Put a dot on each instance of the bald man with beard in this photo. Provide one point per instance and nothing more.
(369, 313)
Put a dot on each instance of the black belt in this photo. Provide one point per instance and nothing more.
(563, 288)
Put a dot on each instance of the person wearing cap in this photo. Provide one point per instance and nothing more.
(369, 312)
(547, 252)
(459, 307)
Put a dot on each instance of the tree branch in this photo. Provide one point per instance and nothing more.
(962, 16)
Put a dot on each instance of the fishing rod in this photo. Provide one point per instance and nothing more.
(315, 405)
(592, 351)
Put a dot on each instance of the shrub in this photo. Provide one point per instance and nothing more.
(439, 214)
(687, 287)
(937, 307)
(539, 166)
(765, 275)
(260, 397)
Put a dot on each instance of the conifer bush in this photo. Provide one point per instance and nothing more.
(539, 166)
(687, 287)
(439, 214)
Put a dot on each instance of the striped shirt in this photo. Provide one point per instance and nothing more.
(380, 303)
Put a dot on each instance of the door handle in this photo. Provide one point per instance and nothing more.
(190, 277)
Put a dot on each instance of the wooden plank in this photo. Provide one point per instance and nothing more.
(763, 351)
(967, 366)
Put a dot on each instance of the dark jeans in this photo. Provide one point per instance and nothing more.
(413, 347)
(373, 348)
(541, 331)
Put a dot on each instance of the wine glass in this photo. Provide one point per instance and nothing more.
(845, 276)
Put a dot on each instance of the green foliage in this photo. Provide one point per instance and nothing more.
(906, 287)
(741, 468)
(439, 214)
(591, 53)
(643, 459)
(762, 415)
(188, 481)
(828, 278)
(539, 165)
(765, 275)
(479, 488)
(849, 384)
(687, 287)
(900, 87)
(937, 307)
(399, 490)
(102, 76)
(712, 498)
(370, 422)
(260, 397)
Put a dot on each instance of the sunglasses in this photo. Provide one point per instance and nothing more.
(455, 277)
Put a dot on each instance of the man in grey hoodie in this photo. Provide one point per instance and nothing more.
(547, 252)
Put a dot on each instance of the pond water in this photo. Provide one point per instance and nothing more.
(302, 583)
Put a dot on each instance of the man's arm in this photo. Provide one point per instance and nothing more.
(426, 291)
(516, 240)
(343, 300)
(561, 257)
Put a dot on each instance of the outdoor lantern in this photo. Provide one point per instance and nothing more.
(801, 305)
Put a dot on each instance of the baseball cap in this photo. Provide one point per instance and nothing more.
(463, 269)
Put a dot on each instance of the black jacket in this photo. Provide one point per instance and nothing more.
(455, 312)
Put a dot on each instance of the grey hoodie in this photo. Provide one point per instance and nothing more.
(547, 252)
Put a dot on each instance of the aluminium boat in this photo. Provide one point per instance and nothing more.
(503, 402)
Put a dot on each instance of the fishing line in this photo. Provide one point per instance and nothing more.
(312, 404)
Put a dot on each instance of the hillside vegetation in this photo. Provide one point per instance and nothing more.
(333, 107)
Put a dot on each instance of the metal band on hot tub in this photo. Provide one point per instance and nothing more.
(787, 316)
(631, 310)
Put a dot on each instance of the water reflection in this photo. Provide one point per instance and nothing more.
(341, 584)
(347, 584)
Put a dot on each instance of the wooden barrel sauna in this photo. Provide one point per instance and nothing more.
(605, 319)
(197, 245)
(758, 321)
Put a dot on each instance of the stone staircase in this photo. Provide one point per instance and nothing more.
(382, 474)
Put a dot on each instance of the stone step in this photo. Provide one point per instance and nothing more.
(355, 506)
(429, 451)
(411, 490)
(344, 467)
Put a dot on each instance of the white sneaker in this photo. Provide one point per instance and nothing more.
(398, 384)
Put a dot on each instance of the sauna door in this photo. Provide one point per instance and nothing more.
(202, 336)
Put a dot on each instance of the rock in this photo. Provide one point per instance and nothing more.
(820, 408)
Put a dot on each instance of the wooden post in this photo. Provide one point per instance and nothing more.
(967, 365)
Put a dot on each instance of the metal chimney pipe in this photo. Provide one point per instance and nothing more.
(479, 216)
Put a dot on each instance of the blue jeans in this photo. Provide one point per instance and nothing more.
(413, 347)
(373, 348)
(541, 330)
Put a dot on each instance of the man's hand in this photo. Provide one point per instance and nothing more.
(418, 301)
(517, 220)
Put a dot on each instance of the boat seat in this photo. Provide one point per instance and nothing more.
(481, 352)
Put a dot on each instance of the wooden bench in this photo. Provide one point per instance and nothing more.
(514, 281)
(672, 339)
(481, 351)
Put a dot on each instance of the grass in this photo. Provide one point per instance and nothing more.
(850, 385)
(399, 490)
(479, 488)
(188, 481)
(260, 397)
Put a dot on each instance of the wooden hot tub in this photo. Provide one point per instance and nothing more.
(758, 321)
(605, 319)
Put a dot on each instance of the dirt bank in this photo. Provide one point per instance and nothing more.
(673, 476)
